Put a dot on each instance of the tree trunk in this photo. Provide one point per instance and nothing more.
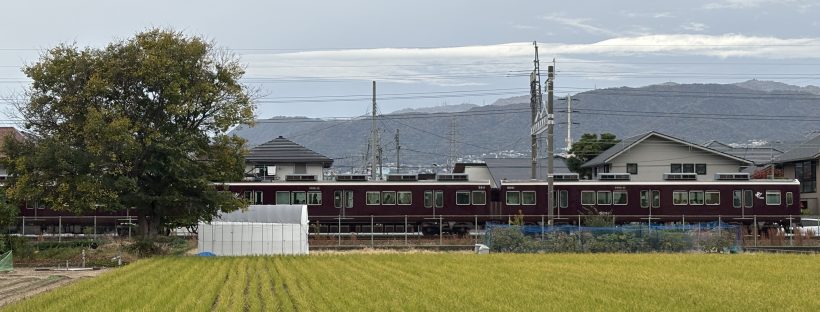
(150, 223)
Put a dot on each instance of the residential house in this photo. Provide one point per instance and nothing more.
(801, 163)
(761, 156)
(655, 156)
(283, 160)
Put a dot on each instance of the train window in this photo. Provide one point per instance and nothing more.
(479, 198)
(337, 199)
(462, 197)
(439, 199)
(737, 198)
(644, 199)
(656, 199)
(587, 197)
(348, 199)
(283, 198)
(789, 198)
(248, 196)
(680, 198)
(314, 198)
(513, 198)
(688, 168)
(748, 198)
(604, 198)
(373, 198)
(528, 197)
(619, 197)
(404, 198)
(428, 199)
(388, 198)
(712, 198)
(696, 197)
(772, 197)
(700, 169)
(298, 198)
(563, 201)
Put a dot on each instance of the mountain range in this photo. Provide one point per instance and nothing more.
(737, 113)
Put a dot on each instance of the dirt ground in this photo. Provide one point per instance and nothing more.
(26, 282)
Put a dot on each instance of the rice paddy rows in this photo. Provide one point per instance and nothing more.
(412, 282)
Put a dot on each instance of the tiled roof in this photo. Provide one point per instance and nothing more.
(806, 150)
(625, 144)
(281, 150)
(759, 155)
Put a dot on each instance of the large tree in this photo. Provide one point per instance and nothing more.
(588, 147)
(141, 124)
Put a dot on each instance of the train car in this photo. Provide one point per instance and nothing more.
(447, 203)
(665, 201)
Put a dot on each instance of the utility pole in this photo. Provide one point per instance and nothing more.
(374, 138)
(451, 161)
(550, 147)
(535, 107)
(546, 120)
(398, 152)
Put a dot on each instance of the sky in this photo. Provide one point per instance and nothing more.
(318, 58)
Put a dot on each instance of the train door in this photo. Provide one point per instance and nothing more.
(743, 199)
(343, 200)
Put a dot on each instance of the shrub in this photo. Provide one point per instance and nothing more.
(144, 247)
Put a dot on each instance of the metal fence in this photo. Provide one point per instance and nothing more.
(705, 237)
(442, 231)
(463, 231)
(59, 227)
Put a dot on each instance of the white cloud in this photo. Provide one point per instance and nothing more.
(633, 14)
(693, 26)
(580, 23)
(467, 65)
(747, 4)
(521, 26)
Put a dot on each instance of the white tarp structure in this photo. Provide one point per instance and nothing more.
(259, 230)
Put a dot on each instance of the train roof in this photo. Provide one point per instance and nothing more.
(596, 182)
(359, 183)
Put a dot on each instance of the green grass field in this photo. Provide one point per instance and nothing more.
(449, 281)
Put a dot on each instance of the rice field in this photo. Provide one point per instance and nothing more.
(444, 281)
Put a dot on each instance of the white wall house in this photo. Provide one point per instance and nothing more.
(649, 157)
(281, 159)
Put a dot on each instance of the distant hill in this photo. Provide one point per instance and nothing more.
(438, 109)
(729, 113)
(773, 86)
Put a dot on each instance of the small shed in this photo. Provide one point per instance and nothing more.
(259, 230)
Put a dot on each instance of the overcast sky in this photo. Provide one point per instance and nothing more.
(317, 58)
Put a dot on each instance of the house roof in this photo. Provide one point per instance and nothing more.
(521, 168)
(626, 144)
(759, 155)
(806, 150)
(281, 150)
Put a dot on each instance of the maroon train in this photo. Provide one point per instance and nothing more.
(451, 203)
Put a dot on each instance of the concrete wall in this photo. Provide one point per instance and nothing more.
(655, 155)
